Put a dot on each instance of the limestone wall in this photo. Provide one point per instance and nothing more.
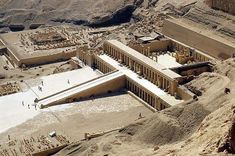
(208, 45)
(184, 93)
(37, 60)
(162, 45)
(224, 5)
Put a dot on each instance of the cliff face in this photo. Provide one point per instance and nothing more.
(224, 5)
(30, 14)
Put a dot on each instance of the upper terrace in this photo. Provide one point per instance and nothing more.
(141, 59)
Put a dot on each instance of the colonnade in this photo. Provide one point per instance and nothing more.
(200, 57)
(94, 61)
(146, 96)
(152, 75)
(83, 56)
(102, 66)
(187, 51)
(145, 51)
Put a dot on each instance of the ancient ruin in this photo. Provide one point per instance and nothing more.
(137, 78)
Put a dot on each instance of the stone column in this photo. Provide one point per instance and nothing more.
(173, 87)
(148, 51)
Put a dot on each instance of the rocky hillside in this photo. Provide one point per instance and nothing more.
(25, 14)
(32, 13)
(215, 19)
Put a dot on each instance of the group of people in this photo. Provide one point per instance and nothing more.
(40, 89)
(35, 106)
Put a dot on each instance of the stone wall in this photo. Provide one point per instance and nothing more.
(154, 46)
(38, 60)
(208, 45)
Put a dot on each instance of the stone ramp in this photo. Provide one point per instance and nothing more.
(107, 83)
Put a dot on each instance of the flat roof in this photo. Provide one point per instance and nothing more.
(143, 59)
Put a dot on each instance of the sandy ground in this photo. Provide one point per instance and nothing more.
(59, 82)
(17, 108)
(73, 120)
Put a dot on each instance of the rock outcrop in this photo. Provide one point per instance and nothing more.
(31, 14)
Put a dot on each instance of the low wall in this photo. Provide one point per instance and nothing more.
(37, 60)
(162, 45)
(198, 41)
(48, 58)
(184, 93)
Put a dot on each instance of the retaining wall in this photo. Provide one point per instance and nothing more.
(206, 44)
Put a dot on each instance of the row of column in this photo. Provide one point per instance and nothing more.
(101, 66)
(200, 57)
(82, 56)
(186, 50)
(145, 51)
(144, 95)
(154, 77)
(113, 52)
(180, 47)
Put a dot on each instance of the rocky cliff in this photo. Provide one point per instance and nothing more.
(24, 14)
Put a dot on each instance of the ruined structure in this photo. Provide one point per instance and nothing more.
(9, 88)
(35, 146)
(39, 47)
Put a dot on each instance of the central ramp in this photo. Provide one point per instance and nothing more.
(107, 83)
